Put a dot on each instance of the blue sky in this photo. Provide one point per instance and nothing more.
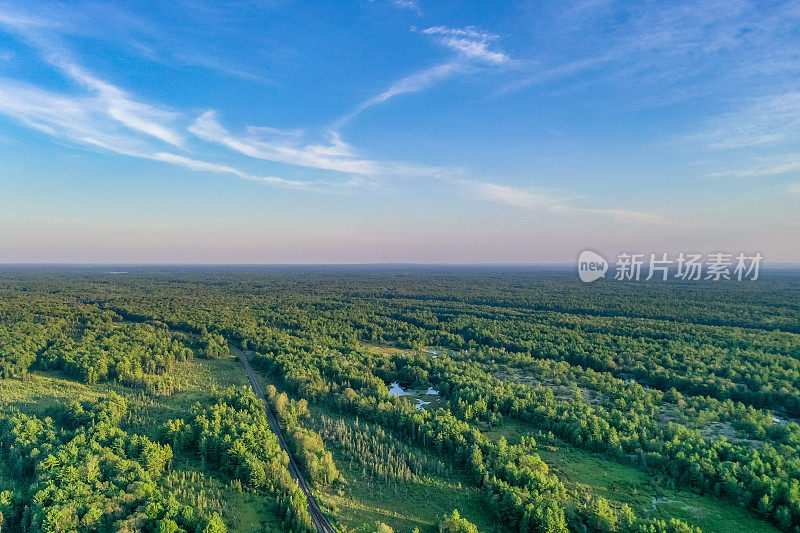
(397, 130)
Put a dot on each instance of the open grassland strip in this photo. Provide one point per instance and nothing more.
(647, 495)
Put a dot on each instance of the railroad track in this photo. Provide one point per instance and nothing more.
(317, 516)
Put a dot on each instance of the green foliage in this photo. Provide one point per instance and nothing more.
(378, 452)
(234, 436)
(93, 478)
(307, 445)
(214, 346)
(455, 524)
(85, 342)
(315, 459)
(697, 385)
(380, 527)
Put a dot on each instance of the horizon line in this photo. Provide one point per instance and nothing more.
(376, 263)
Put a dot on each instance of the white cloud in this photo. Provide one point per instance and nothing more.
(108, 117)
(195, 164)
(475, 50)
(767, 121)
(553, 202)
(108, 98)
(414, 83)
(512, 196)
(336, 155)
(471, 47)
(795, 188)
(74, 117)
(469, 32)
(775, 167)
(411, 5)
(469, 42)
(120, 106)
(419, 81)
(288, 148)
(85, 120)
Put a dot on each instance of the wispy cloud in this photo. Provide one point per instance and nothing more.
(209, 62)
(115, 102)
(84, 120)
(74, 117)
(141, 37)
(17, 20)
(761, 138)
(795, 188)
(419, 81)
(103, 115)
(261, 143)
(515, 197)
(410, 5)
(670, 45)
(469, 42)
(553, 201)
(289, 148)
(107, 117)
(471, 47)
(195, 164)
(544, 74)
(767, 121)
(785, 164)
(136, 115)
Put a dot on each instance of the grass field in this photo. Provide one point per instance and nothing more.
(626, 484)
(45, 393)
(403, 505)
(243, 512)
(642, 492)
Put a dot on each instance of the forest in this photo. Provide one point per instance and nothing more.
(396, 398)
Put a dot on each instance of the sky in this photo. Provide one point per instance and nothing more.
(397, 130)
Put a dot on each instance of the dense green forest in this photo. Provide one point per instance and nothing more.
(410, 399)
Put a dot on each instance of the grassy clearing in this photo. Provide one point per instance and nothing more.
(243, 512)
(645, 494)
(47, 393)
(421, 399)
(44, 392)
(386, 350)
(403, 505)
(196, 379)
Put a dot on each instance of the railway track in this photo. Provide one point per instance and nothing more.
(317, 516)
